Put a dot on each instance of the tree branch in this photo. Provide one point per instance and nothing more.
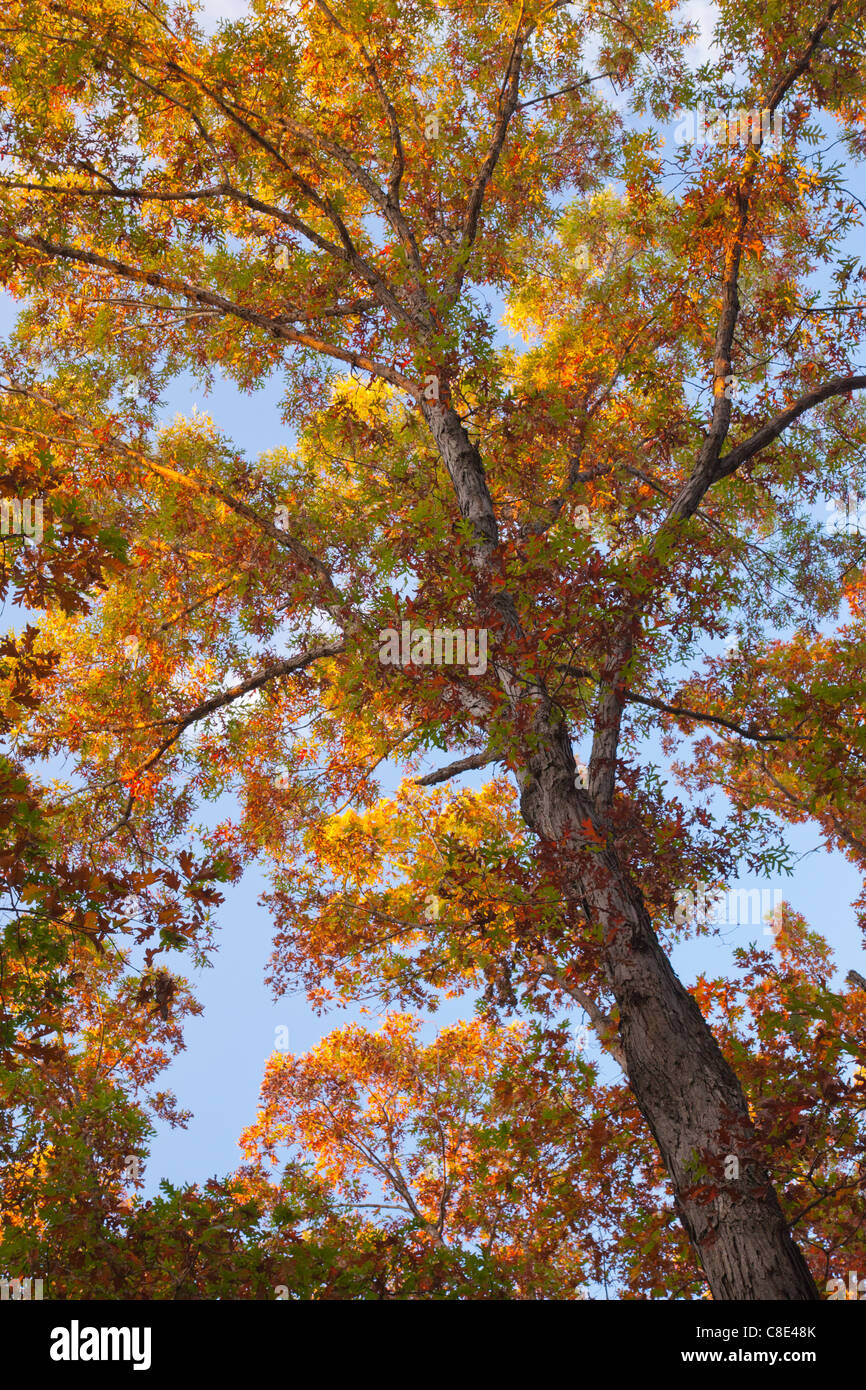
(276, 327)
(574, 87)
(454, 769)
(509, 93)
(235, 692)
(603, 1025)
(700, 716)
(838, 386)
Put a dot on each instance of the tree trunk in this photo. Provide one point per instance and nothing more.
(686, 1090)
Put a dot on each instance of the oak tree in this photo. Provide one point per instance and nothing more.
(345, 198)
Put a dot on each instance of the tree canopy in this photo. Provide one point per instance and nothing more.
(564, 394)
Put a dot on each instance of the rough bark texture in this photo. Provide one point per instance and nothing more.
(687, 1092)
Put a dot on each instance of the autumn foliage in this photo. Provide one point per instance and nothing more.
(504, 318)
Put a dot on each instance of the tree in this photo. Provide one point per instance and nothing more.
(322, 188)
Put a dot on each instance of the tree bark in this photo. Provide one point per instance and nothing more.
(686, 1090)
